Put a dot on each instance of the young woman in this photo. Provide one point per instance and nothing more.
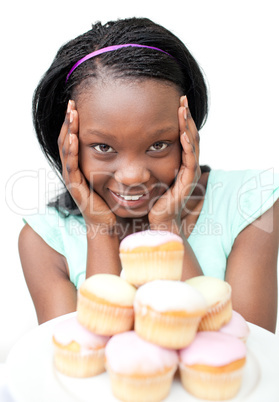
(117, 114)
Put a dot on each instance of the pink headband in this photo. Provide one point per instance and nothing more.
(110, 49)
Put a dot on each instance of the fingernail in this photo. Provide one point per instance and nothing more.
(186, 137)
(185, 113)
(185, 101)
(70, 139)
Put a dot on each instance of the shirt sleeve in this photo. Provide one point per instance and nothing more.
(256, 193)
(47, 224)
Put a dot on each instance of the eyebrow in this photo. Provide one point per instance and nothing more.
(99, 134)
(110, 136)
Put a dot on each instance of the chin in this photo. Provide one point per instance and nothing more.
(131, 214)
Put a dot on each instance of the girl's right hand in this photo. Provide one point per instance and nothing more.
(93, 208)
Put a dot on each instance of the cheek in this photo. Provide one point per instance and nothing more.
(95, 172)
(168, 168)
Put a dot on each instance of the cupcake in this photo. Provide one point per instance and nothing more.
(105, 304)
(217, 294)
(139, 370)
(77, 351)
(212, 366)
(237, 327)
(150, 255)
(168, 313)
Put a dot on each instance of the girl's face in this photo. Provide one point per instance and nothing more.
(129, 142)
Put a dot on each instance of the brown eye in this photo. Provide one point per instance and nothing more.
(158, 146)
(103, 148)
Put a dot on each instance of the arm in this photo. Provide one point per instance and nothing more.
(103, 252)
(46, 275)
(252, 270)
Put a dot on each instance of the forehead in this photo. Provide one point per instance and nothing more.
(126, 99)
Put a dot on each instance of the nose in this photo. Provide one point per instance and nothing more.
(132, 173)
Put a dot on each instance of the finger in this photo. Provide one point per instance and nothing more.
(186, 139)
(70, 124)
(64, 130)
(65, 125)
(182, 118)
(183, 100)
(191, 125)
(76, 182)
(187, 125)
(71, 148)
(190, 151)
(189, 157)
(74, 122)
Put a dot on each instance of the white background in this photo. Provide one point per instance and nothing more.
(235, 42)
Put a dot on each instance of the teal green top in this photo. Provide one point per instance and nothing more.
(232, 201)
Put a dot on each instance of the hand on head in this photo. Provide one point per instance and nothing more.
(94, 210)
(168, 209)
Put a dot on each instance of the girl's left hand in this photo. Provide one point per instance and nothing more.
(166, 212)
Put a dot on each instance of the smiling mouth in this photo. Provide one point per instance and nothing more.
(130, 200)
(130, 197)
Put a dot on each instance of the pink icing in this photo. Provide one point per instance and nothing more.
(150, 238)
(70, 330)
(237, 326)
(127, 353)
(213, 349)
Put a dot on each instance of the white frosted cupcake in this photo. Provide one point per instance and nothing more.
(105, 304)
(150, 255)
(77, 351)
(237, 327)
(217, 294)
(212, 366)
(139, 370)
(168, 313)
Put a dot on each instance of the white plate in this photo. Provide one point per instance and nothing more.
(32, 377)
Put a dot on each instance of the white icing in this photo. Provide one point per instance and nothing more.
(166, 295)
(110, 287)
(214, 290)
(149, 238)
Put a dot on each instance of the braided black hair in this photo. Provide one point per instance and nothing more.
(52, 94)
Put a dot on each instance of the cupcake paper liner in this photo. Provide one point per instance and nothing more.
(75, 364)
(166, 330)
(217, 316)
(141, 389)
(211, 386)
(140, 268)
(104, 319)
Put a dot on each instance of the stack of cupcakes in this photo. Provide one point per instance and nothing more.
(150, 323)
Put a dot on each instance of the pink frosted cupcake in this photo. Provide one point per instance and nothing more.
(212, 366)
(139, 370)
(237, 327)
(150, 255)
(168, 313)
(77, 351)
